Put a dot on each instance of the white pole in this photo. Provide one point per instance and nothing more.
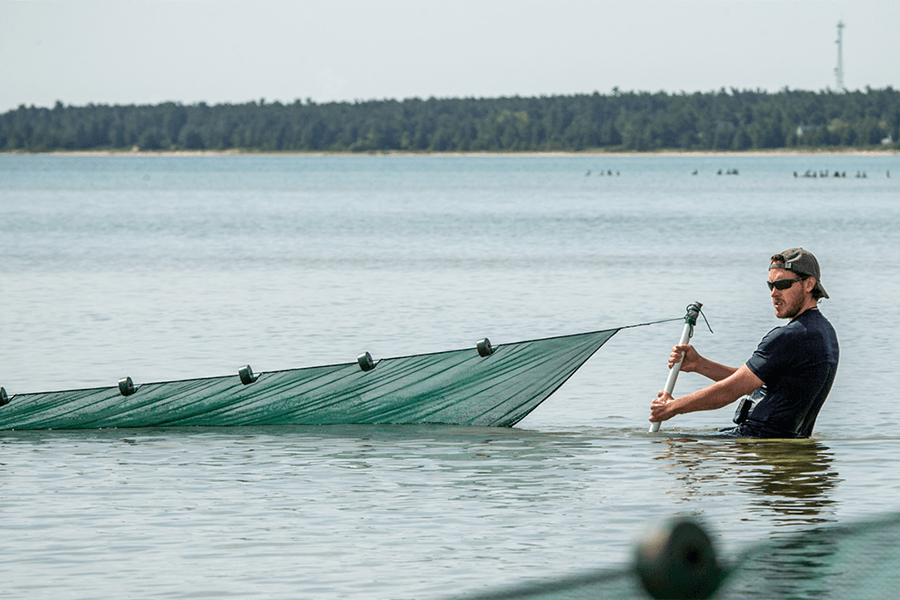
(690, 319)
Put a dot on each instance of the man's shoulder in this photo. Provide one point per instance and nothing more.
(812, 333)
(812, 321)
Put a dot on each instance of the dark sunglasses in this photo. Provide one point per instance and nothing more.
(783, 284)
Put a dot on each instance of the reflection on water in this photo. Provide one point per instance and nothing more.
(791, 477)
(789, 482)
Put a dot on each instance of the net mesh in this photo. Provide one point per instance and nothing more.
(860, 561)
(459, 387)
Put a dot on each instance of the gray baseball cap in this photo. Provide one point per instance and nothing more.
(802, 262)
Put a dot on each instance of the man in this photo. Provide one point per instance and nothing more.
(789, 375)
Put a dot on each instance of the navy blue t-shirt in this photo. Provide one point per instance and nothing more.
(797, 362)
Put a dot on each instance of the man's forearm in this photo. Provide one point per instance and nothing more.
(714, 370)
(711, 397)
(725, 391)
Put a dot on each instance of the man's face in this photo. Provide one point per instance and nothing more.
(788, 303)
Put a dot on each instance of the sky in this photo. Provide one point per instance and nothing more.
(215, 51)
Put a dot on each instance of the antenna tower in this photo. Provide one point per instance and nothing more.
(839, 69)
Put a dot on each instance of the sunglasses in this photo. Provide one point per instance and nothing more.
(783, 284)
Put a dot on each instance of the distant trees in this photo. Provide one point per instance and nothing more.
(633, 121)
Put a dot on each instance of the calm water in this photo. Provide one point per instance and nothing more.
(168, 267)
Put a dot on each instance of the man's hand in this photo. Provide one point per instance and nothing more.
(660, 410)
(690, 361)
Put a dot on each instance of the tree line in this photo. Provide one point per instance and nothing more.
(619, 121)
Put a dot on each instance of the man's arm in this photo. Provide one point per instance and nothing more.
(694, 363)
(721, 393)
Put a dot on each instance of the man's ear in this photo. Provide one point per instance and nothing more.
(809, 283)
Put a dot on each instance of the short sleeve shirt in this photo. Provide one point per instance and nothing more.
(797, 362)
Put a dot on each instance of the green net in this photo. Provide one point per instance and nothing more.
(836, 562)
(860, 560)
(477, 387)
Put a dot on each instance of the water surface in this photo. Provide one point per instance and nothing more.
(168, 267)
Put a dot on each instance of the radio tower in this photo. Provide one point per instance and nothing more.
(839, 69)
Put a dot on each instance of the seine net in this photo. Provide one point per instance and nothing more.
(835, 562)
(476, 387)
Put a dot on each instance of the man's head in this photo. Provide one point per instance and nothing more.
(795, 281)
(804, 264)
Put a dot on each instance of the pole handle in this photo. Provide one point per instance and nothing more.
(690, 319)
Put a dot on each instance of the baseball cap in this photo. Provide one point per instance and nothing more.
(801, 262)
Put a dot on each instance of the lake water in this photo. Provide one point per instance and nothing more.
(161, 267)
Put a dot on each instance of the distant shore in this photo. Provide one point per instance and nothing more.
(586, 153)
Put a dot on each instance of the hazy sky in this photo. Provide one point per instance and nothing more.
(215, 51)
